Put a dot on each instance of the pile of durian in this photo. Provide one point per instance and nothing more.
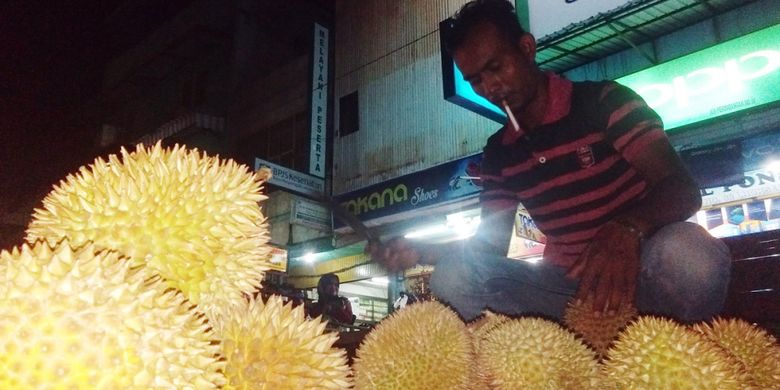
(139, 272)
(427, 346)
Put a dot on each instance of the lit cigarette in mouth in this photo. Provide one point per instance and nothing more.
(511, 116)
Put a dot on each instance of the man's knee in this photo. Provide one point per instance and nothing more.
(687, 252)
(685, 272)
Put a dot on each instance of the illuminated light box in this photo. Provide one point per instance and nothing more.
(729, 77)
(459, 91)
(726, 78)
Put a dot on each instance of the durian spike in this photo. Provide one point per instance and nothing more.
(659, 353)
(479, 328)
(755, 348)
(272, 345)
(423, 346)
(85, 319)
(534, 353)
(598, 330)
(193, 218)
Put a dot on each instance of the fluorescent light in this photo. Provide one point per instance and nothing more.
(381, 280)
(428, 231)
(773, 166)
(532, 260)
(309, 257)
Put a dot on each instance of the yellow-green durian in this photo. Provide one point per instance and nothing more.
(659, 353)
(479, 328)
(534, 353)
(272, 345)
(486, 322)
(423, 346)
(191, 217)
(599, 330)
(758, 351)
(86, 319)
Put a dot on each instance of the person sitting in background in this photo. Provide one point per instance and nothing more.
(329, 304)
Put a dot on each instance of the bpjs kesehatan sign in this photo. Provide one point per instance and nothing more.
(722, 79)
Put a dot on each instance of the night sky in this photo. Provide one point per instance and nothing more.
(52, 59)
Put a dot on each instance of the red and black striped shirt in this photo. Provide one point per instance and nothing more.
(573, 173)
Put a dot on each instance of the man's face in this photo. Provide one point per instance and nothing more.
(330, 287)
(498, 69)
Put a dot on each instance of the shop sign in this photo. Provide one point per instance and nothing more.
(722, 79)
(527, 240)
(441, 184)
(291, 179)
(319, 102)
(310, 214)
(525, 226)
(544, 17)
(459, 91)
(755, 184)
(759, 151)
(278, 259)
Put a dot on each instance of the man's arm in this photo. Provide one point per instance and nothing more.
(609, 267)
(399, 253)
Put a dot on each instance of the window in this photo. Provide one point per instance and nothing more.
(349, 119)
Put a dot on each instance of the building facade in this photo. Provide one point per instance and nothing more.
(394, 129)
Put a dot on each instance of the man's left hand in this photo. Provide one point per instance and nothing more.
(608, 268)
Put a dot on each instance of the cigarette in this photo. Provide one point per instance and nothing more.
(511, 116)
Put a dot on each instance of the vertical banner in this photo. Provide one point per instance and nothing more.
(319, 102)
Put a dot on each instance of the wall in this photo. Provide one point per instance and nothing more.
(389, 51)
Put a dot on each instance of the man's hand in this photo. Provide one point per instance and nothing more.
(609, 267)
(395, 255)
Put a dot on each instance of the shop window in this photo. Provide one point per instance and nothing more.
(349, 120)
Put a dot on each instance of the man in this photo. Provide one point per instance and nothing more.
(592, 165)
(329, 304)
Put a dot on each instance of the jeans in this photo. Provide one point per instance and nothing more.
(684, 275)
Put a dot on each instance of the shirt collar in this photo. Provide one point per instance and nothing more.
(559, 91)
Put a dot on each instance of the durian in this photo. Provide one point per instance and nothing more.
(485, 323)
(86, 319)
(478, 329)
(658, 353)
(193, 218)
(422, 346)
(598, 331)
(272, 345)
(758, 351)
(534, 353)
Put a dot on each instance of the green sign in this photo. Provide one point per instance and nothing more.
(726, 78)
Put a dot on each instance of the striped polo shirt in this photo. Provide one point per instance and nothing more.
(573, 172)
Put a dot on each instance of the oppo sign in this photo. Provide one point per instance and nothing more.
(726, 78)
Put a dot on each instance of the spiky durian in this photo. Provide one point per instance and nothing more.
(81, 319)
(273, 346)
(658, 353)
(485, 323)
(534, 353)
(758, 351)
(599, 330)
(193, 218)
(479, 328)
(423, 346)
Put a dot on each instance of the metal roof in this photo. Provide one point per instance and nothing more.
(636, 22)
